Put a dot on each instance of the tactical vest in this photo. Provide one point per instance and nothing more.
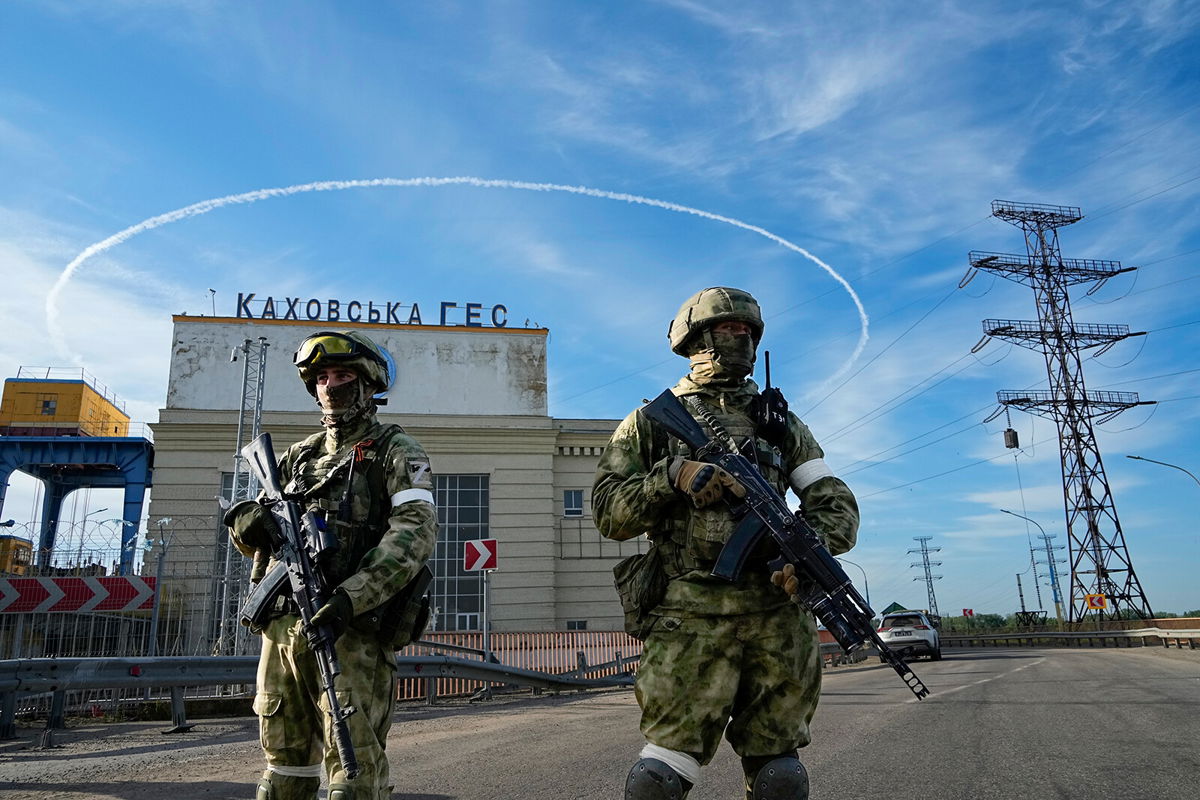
(348, 493)
(693, 537)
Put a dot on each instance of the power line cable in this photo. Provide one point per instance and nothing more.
(1170, 327)
(907, 452)
(1128, 142)
(876, 357)
(1151, 378)
(947, 472)
(882, 407)
(1142, 199)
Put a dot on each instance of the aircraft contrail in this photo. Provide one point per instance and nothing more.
(205, 206)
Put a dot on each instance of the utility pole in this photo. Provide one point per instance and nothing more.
(1052, 561)
(1100, 562)
(232, 572)
(1037, 579)
(925, 563)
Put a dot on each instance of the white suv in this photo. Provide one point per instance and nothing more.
(910, 633)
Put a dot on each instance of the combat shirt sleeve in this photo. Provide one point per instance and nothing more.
(411, 529)
(828, 504)
(631, 494)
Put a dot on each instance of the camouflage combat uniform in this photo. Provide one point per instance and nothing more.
(720, 653)
(391, 533)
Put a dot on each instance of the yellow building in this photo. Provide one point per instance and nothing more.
(15, 555)
(53, 406)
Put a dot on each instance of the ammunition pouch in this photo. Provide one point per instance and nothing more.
(401, 620)
(641, 582)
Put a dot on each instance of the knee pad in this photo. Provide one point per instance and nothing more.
(340, 791)
(651, 779)
(273, 786)
(781, 778)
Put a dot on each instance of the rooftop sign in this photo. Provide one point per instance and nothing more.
(447, 313)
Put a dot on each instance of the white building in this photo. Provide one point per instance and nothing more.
(473, 395)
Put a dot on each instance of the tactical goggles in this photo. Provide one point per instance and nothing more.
(332, 346)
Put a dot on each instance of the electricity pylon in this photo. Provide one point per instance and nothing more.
(1100, 563)
(925, 563)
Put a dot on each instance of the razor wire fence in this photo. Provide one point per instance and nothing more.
(180, 598)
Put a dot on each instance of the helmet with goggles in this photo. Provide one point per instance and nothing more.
(709, 307)
(346, 349)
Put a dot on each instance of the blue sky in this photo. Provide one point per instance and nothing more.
(874, 135)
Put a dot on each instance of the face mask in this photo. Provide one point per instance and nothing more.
(344, 403)
(728, 359)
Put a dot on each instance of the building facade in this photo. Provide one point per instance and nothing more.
(474, 396)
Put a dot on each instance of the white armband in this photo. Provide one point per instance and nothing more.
(809, 473)
(412, 496)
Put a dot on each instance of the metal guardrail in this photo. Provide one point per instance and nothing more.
(1140, 637)
(58, 676)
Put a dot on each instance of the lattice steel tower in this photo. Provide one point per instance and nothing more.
(233, 574)
(928, 577)
(1099, 558)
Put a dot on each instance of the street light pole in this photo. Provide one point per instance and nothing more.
(866, 587)
(82, 533)
(1165, 464)
(152, 646)
(1058, 610)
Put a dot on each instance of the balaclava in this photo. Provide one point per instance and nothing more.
(347, 404)
(722, 359)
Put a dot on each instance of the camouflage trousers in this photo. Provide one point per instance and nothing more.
(294, 723)
(755, 677)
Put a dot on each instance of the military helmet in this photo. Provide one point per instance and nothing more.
(343, 349)
(710, 306)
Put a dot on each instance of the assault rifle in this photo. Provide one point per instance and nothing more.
(299, 548)
(827, 592)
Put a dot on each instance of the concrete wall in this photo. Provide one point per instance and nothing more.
(442, 370)
(583, 578)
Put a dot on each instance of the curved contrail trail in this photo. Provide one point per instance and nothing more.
(205, 206)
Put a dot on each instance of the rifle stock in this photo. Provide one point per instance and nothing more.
(299, 547)
(828, 593)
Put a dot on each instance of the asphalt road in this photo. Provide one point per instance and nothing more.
(1000, 724)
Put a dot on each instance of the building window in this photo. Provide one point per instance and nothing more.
(573, 503)
(49, 405)
(462, 510)
(577, 624)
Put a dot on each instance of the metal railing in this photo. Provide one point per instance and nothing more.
(56, 680)
(147, 677)
(1139, 637)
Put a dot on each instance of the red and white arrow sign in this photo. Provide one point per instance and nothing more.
(479, 554)
(57, 595)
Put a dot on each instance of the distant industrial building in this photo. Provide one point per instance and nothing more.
(38, 402)
(68, 430)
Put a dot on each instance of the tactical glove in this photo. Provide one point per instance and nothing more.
(335, 615)
(786, 579)
(251, 526)
(704, 483)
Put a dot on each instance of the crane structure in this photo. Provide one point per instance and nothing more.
(232, 573)
(1103, 581)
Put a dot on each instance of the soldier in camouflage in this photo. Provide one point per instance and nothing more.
(371, 483)
(735, 658)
